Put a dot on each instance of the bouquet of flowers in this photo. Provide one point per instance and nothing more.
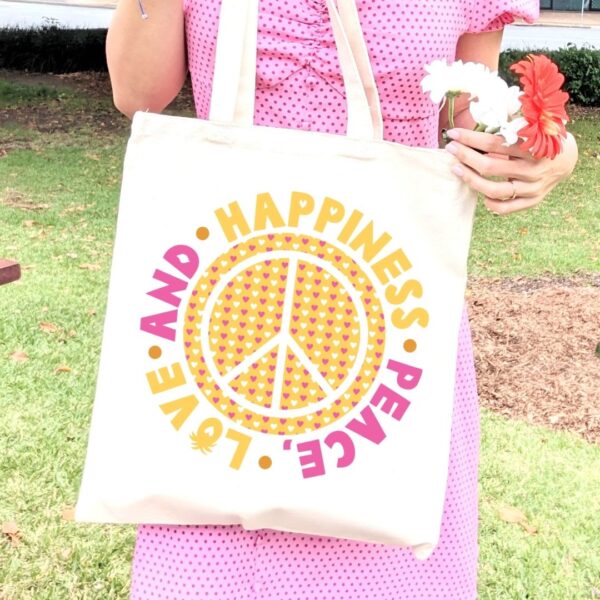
(535, 114)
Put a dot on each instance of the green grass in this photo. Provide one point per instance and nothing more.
(561, 236)
(45, 414)
(23, 95)
(14, 94)
(554, 479)
(65, 249)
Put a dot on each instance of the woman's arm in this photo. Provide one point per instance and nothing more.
(524, 182)
(146, 57)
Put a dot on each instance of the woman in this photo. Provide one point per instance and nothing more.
(299, 86)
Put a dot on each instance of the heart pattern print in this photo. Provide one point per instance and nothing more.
(284, 333)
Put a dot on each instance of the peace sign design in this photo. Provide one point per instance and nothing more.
(284, 333)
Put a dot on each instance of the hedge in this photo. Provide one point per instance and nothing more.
(580, 66)
(59, 50)
(52, 49)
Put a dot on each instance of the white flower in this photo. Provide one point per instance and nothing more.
(493, 104)
(438, 81)
(476, 76)
(513, 102)
(494, 97)
(454, 78)
(509, 130)
(496, 103)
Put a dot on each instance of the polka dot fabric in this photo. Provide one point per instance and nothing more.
(299, 86)
(489, 15)
(299, 83)
(226, 562)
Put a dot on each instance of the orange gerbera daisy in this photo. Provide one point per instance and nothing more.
(543, 106)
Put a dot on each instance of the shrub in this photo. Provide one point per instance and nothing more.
(52, 49)
(58, 50)
(580, 66)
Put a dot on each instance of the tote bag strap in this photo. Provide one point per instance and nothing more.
(234, 81)
(349, 16)
(233, 86)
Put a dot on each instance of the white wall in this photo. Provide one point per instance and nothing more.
(26, 14)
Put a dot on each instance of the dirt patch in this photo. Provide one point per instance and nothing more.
(15, 199)
(582, 111)
(97, 85)
(528, 284)
(63, 116)
(53, 118)
(535, 346)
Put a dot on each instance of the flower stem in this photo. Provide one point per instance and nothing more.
(450, 97)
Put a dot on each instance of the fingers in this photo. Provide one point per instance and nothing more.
(520, 181)
(505, 207)
(490, 166)
(501, 197)
(495, 190)
(487, 142)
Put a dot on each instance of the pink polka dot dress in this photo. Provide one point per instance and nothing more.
(299, 86)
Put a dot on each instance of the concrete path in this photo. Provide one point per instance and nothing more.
(566, 18)
(528, 37)
(30, 14)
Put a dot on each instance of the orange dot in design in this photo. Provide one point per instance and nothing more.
(202, 233)
(265, 462)
(155, 352)
(410, 345)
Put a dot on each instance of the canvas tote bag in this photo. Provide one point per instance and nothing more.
(281, 331)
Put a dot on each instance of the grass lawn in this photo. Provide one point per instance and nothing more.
(58, 204)
(561, 236)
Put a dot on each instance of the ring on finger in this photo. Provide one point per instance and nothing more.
(514, 192)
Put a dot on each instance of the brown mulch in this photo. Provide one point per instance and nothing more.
(535, 343)
(54, 117)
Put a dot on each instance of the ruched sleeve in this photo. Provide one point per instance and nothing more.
(491, 15)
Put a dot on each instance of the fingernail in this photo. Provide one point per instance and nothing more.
(452, 148)
(453, 133)
(458, 170)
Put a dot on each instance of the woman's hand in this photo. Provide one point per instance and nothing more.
(524, 182)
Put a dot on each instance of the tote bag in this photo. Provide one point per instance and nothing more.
(283, 311)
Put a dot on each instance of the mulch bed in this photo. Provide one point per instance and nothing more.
(536, 350)
(53, 117)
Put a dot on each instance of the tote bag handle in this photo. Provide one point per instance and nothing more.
(234, 82)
